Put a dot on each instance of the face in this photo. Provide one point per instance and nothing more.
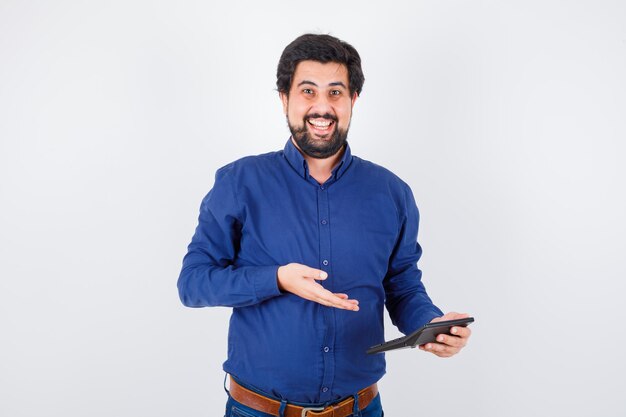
(319, 107)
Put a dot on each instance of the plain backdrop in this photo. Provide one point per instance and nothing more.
(507, 119)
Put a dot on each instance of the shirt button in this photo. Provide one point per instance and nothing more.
(325, 389)
(324, 221)
(325, 262)
(326, 349)
(322, 187)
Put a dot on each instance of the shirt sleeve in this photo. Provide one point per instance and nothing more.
(209, 275)
(408, 304)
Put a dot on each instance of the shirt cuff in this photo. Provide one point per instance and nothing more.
(433, 314)
(266, 282)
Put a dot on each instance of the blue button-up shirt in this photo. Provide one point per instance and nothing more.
(360, 226)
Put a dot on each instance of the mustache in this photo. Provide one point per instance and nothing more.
(321, 116)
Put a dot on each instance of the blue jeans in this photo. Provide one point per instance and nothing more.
(235, 409)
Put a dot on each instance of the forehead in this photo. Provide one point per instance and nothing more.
(320, 73)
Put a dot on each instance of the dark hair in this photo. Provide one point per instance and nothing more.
(320, 48)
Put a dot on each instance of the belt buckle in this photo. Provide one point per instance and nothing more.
(307, 409)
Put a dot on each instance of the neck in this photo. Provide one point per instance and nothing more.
(321, 169)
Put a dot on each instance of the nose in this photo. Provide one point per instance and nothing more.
(321, 105)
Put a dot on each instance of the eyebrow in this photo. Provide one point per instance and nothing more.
(333, 84)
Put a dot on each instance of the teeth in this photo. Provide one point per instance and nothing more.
(320, 123)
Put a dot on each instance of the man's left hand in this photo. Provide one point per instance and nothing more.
(449, 345)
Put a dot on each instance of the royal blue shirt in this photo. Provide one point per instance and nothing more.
(360, 226)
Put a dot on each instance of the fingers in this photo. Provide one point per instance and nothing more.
(317, 274)
(441, 350)
(341, 301)
(453, 315)
(453, 341)
(301, 280)
(445, 346)
(449, 345)
(461, 331)
(311, 290)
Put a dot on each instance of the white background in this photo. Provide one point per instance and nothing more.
(506, 118)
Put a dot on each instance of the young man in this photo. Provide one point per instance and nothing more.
(307, 245)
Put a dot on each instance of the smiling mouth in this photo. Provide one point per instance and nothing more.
(320, 125)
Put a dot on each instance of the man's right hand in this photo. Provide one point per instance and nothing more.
(300, 280)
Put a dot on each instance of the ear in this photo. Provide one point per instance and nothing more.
(354, 97)
(285, 100)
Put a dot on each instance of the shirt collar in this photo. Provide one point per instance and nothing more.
(297, 161)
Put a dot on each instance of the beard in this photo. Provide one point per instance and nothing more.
(318, 148)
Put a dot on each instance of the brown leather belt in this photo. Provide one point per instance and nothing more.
(270, 406)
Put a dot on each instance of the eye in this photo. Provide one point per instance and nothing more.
(335, 92)
(307, 91)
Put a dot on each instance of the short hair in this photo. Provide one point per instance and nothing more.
(320, 48)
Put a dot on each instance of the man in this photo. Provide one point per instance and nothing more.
(307, 245)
